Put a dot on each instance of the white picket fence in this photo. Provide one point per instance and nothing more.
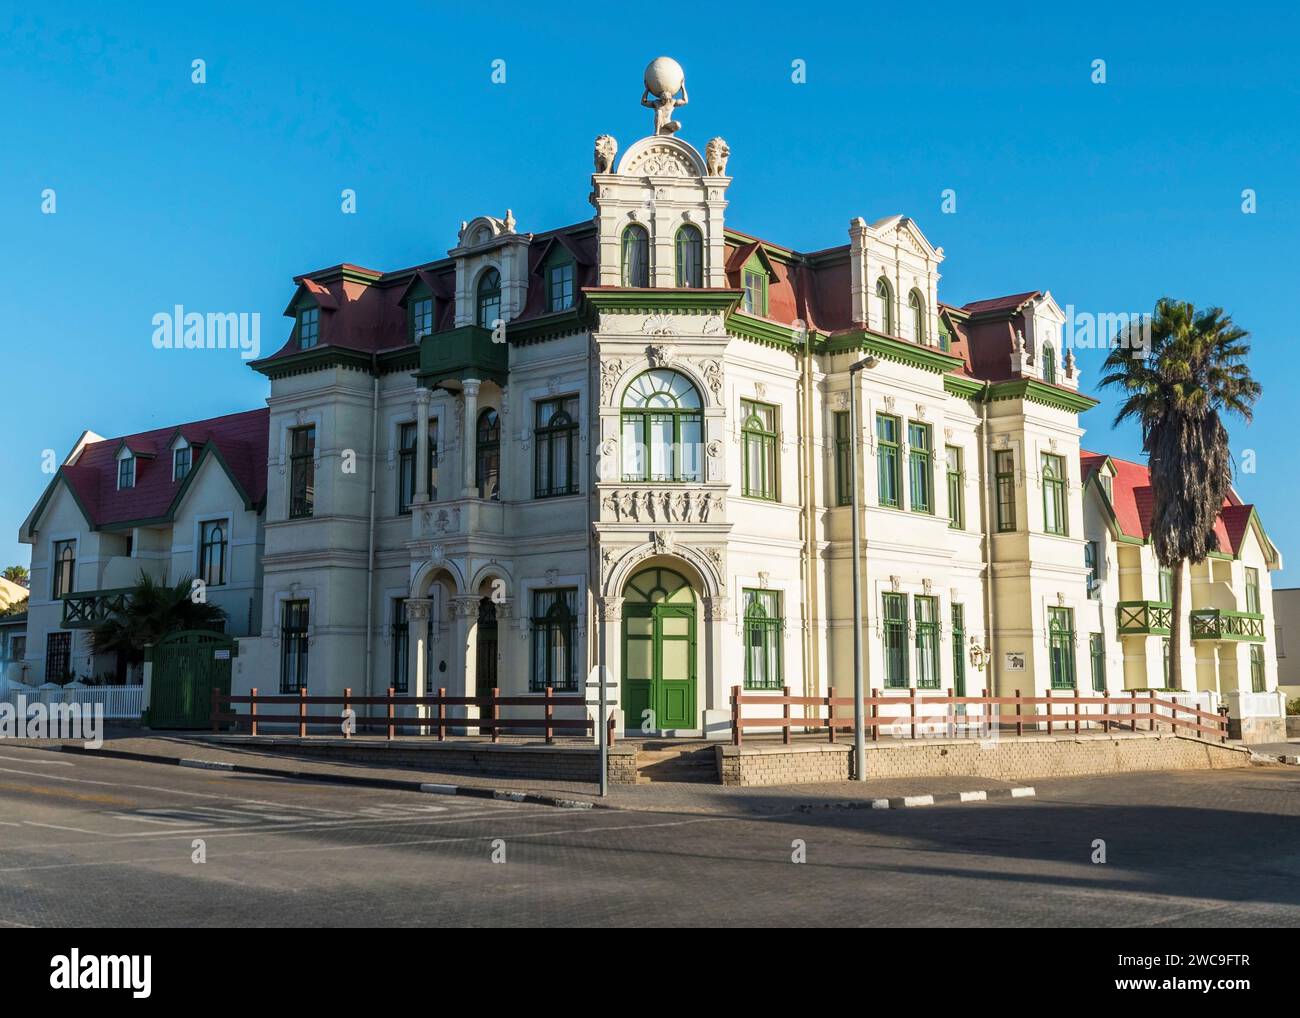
(119, 702)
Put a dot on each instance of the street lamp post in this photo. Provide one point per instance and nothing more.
(859, 662)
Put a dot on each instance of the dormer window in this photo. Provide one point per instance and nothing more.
(308, 328)
(182, 458)
(126, 472)
(1049, 364)
(421, 318)
(636, 256)
(559, 286)
(489, 299)
(754, 280)
(690, 257)
(1108, 486)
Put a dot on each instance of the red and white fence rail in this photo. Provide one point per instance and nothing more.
(431, 715)
(923, 713)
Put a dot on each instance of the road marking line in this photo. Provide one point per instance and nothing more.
(23, 759)
(60, 793)
(58, 827)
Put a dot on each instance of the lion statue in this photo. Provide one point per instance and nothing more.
(606, 149)
(716, 154)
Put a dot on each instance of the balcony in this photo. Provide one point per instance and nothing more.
(466, 352)
(88, 608)
(1144, 618)
(1221, 624)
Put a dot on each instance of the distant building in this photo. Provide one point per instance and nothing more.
(1286, 631)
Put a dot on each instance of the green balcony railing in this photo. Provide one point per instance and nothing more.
(1144, 618)
(1221, 624)
(85, 609)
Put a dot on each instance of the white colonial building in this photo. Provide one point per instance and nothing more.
(626, 442)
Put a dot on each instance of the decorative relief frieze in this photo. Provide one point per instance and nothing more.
(610, 372)
(440, 521)
(668, 505)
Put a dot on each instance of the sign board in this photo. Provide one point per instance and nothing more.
(221, 655)
(1015, 661)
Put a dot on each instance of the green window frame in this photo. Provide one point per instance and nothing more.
(1257, 678)
(690, 257)
(1097, 654)
(764, 623)
(407, 448)
(401, 632)
(843, 450)
(956, 503)
(893, 612)
(1165, 585)
(1049, 364)
(959, 651)
(760, 462)
(916, 304)
(555, 438)
(886, 294)
(754, 281)
(1054, 504)
(126, 473)
(1004, 479)
(945, 337)
(928, 629)
(214, 546)
(1165, 646)
(308, 327)
(58, 656)
(555, 634)
(294, 622)
(1060, 647)
(636, 256)
(302, 472)
(182, 460)
(488, 294)
(1091, 559)
(1252, 590)
(920, 467)
(887, 461)
(662, 428)
(64, 562)
(421, 318)
(560, 286)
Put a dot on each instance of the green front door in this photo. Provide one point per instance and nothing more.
(187, 667)
(659, 652)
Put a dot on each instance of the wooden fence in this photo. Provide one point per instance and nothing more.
(1054, 711)
(435, 715)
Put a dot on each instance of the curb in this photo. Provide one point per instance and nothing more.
(937, 799)
(388, 784)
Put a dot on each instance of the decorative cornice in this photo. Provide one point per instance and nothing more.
(318, 358)
(627, 301)
(1034, 391)
(893, 349)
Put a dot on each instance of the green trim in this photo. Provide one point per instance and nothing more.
(765, 332)
(464, 352)
(316, 358)
(552, 325)
(962, 387)
(1144, 618)
(1034, 391)
(686, 301)
(1228, 626)
(890, 348)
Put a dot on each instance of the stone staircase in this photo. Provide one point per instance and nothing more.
(675, 761)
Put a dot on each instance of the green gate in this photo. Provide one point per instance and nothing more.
(187, 667)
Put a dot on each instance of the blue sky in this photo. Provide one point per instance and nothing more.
(214, 195)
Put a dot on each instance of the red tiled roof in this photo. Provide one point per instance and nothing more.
(240, 440)
(1134, 504)
(1012, 302)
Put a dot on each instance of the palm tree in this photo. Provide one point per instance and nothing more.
(16, 574)
(153, 609)
(1176, 382)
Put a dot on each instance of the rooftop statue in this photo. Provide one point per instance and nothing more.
(664, 78)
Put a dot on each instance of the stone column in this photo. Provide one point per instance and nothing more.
(469, 436)
(466, 616)
(417, 633)
(422, 397)
(714, 703)
(609, 615)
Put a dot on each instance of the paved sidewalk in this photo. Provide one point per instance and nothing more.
(674, 797)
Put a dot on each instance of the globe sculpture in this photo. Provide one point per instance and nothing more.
(664, 75)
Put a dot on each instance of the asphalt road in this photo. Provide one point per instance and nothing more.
(87, 842)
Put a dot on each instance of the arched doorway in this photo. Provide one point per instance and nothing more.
(485, 664)
(659, 651)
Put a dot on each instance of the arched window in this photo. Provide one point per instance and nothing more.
(636, 256)
(487, 474)
(759, 441)
(1049, 363)
(917, 304)
(555, 629)
(489, 298)
(663, 428)
(886, 294)
(690, 257)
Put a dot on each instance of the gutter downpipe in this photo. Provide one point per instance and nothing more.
(986, 442)
(370, 549)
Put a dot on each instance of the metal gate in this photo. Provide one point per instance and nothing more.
(187, 667)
